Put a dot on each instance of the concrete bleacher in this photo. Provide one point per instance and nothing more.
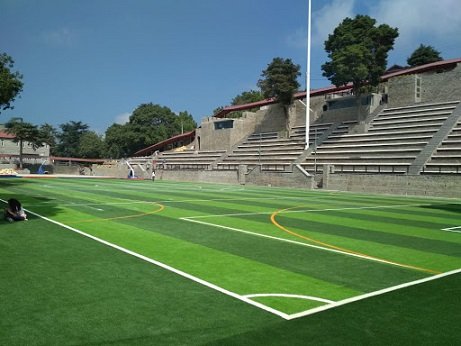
(447, 158)
(188, 159)
(270, 151)
(393, 141)
(396, 140)
(264, 149)
(315, 132)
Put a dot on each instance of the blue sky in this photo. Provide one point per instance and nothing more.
(95, 61)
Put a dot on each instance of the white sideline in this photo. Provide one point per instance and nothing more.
(247, 298)
(167, 267)
(371, 294)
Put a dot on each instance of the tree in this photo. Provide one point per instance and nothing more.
(184, 122)
(149, 124)
(280, 80)
(23, 132)
(423, 55)
(47, 134)
(69, 138)
(242, 99)
(245, 98)
(10, 82)
(118, 138)
(91, 146)
(358, 52)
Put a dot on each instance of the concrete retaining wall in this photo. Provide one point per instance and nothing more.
(435, 87)
(421, 185)
(225, 177)
(282, 179)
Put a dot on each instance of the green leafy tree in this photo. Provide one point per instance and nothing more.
(69, 138)
(10, 82)
(245, 98)
(358, 51)
(423, 55)
(242, 99)
(280, 80)
(217, 110)
(118, 139)
(47, 134)
(184, 122)
(91, 146)
(149, 124)
(23, 132)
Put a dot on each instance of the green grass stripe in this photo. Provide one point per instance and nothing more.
(297, 258)
(402, 255)
(370, 229)
(290, 305)
(59, 288)
(232, 272)
(400, 217)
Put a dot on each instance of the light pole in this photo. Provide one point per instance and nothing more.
(308, 74)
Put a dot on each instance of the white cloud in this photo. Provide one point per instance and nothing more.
(437, 24)
(62, 37)
(122, 118)
(325, 20)
(298, 39)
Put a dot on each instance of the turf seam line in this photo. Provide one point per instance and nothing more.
(166, 267)
(371, 294)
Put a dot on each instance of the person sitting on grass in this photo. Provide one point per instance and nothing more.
(14, 212)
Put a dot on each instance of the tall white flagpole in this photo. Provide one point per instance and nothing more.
(308, 75)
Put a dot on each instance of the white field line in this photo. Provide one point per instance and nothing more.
(373, 259)
(247, 298)
(371, 294)
(452, 229)
(167, 267)
(283, 295)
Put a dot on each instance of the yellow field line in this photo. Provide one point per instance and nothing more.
(122, 217)
(274, 215)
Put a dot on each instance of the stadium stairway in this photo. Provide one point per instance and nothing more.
(271, 152)
(446, 157)
(395, 139)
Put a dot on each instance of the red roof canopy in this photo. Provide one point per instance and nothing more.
(165, 142)
(332, 89)
(6, 135)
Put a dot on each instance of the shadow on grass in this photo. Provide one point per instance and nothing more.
(452, 207)
(48, 206)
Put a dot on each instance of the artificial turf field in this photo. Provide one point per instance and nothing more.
(166, 263)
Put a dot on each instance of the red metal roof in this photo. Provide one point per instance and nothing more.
(165, 142)
(332, 89)
(6, 135)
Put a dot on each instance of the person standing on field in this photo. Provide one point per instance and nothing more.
(153, 175)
